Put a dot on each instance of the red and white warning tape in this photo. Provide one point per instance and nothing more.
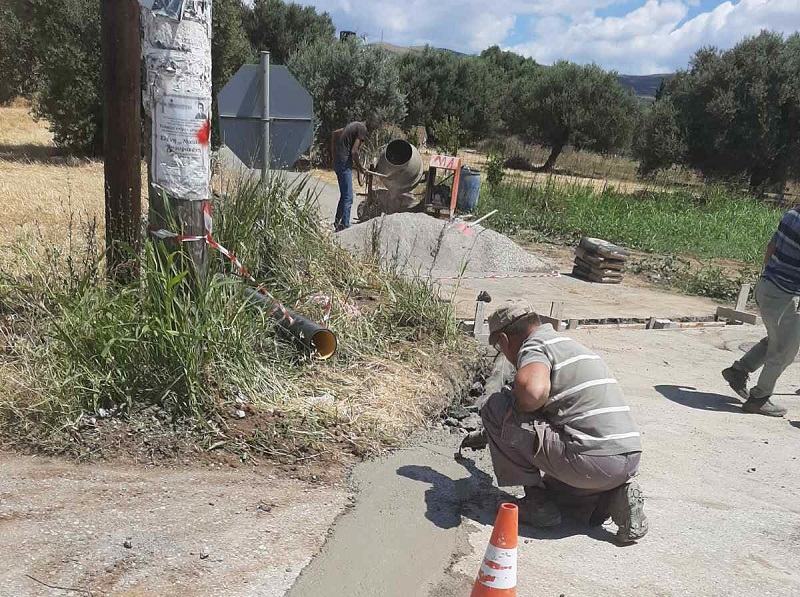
(497, 276)
(241, 270)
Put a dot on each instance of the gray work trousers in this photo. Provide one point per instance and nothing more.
(779, 310)
(524, 447)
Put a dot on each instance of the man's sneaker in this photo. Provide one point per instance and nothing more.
(537, 509)
(737, 380)
(763, 406)
(626, 506)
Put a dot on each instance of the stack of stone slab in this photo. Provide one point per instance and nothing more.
(599, 261)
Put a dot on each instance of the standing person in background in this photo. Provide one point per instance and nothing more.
(778, 298)
(345, 146)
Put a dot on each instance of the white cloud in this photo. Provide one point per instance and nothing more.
(464, 25)
(657, 37)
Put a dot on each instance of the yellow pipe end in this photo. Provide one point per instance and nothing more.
(325, 343)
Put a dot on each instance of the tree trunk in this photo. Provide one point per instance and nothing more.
(551, 160)
(122, 136)
(758, 178)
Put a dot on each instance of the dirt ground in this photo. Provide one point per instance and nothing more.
(477, 160)
(132, 531)
(721, 486)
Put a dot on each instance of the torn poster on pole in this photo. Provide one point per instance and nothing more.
(168, 8)
(181, 161)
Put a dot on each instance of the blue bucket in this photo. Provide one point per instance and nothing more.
(469, 189)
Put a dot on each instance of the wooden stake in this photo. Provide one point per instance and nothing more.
(744, 294)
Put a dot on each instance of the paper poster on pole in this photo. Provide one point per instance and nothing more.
(181, 134)
(168, 8)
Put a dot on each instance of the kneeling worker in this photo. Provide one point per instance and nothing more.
(563, 431)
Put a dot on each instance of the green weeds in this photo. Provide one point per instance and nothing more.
(81, 354)
(712, 223)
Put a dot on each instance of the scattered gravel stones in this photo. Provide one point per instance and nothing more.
(418, 243)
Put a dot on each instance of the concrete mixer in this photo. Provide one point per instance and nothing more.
(398, 170)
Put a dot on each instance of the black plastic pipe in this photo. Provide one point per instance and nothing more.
(312, 335)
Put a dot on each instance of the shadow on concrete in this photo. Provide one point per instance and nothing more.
(476, 498)
(691, 397)
(795, 424)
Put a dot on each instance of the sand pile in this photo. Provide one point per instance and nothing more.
(416, 243)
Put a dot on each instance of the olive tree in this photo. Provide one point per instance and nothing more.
(440, 85)
(736, 112)
(572, 105)
(285, 27)
(349, 81)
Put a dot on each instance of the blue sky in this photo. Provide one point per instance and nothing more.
(630, 36)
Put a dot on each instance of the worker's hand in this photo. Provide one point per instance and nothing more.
(477, 440)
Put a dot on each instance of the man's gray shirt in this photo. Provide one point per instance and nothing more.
(585, 400)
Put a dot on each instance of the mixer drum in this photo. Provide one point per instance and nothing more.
(402, 166)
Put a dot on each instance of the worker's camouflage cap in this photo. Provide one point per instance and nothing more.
(503, 317)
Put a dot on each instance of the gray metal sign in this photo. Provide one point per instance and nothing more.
(283, 127)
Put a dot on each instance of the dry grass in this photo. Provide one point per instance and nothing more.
(41, 191)
(380, 395)
(18, 129)
(582, 168)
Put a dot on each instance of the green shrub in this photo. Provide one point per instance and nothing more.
(449, 135)
(495, 170)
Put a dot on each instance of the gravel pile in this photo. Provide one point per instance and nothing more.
(416, 243)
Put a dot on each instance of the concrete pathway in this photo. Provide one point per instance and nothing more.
(722, 489)
(327, 195)
(581, 300)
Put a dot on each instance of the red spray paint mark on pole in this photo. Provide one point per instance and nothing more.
(204, 134)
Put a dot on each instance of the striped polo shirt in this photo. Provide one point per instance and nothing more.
(585, 402)
(783, 268)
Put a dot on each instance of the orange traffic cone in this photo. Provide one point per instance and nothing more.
(498, 574)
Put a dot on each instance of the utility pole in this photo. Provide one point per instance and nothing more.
(176, 52)
(122, 135)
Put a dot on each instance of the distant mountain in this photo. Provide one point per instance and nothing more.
(643, 86)
(406, 49)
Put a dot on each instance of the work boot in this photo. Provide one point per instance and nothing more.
(536, 509)
(626, 507)
(737, 380)
(763, 406)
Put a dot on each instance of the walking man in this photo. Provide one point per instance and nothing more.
(778, 298)
(346, 144)
(563, 431)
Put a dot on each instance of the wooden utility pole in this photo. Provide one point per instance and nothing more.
(176, 52)
(122, 133)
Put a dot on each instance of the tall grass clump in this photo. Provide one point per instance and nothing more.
(712, 222)
(85, 360)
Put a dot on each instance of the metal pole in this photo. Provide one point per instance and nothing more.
(265, 118)
(122, 135)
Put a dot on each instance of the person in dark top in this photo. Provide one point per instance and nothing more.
(778, 298)
(346, 144)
